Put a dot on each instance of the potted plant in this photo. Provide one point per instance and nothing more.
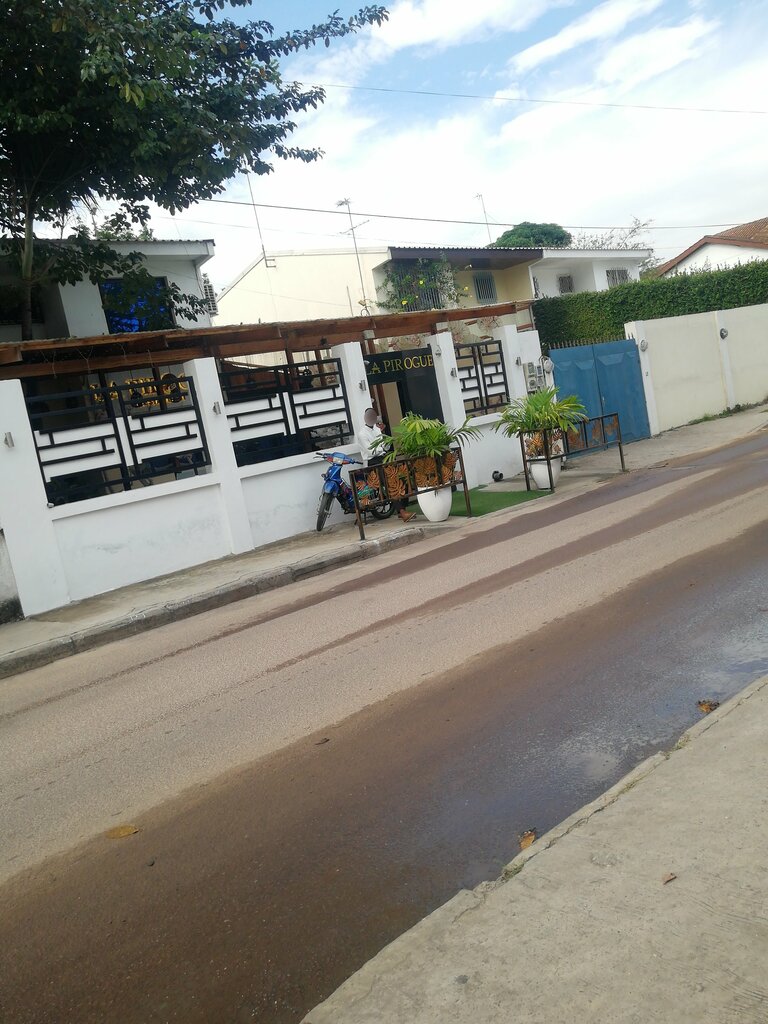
(529, 417)
(427, 443)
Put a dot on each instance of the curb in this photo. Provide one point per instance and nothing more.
(629, 781)
(161, 615)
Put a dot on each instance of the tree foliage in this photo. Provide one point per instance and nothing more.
(140, 101)
(600, 316)
(529, 235)
(418, 284)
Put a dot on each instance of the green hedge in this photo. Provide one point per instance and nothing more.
(600, 316)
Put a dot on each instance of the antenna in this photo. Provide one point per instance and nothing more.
(256, 215)
(347, 203)
(485, 217)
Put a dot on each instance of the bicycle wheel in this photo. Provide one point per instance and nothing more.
(324, 510)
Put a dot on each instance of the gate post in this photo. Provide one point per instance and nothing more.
(447, 376)
(213, 415)
(30, 534)
(350, 356)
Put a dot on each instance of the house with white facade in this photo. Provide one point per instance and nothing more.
(740, 244)
(341, 282)
(77, 311)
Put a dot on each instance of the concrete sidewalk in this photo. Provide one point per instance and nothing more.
(650, 904)
(86, 624)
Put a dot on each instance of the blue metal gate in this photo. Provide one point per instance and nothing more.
(607, 378)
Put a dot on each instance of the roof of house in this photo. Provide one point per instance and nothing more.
(752, 235)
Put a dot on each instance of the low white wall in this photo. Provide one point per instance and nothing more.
(747, 347)
(9, 592)
(106, 543)
(491, 451)
(282, 496)
(702, 364)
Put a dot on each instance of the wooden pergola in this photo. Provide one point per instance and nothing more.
(60, 356)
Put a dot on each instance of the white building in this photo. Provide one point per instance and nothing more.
(76, 311)
(338, 282)
(741, 244)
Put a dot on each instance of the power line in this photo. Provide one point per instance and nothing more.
(472, 223)
(529, 99)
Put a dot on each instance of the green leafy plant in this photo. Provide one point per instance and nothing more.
(418, 284)
(416, 437)
(541, 411)
(600, 316)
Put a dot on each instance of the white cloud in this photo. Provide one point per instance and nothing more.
(601, 22)
(575, 165)
(648, 54)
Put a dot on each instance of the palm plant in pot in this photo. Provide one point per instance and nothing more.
(529, 417)
(427, 444)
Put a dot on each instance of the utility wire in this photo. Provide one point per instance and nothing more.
(529, 99)
(446, 220)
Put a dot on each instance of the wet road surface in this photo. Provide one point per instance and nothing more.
(253, 897)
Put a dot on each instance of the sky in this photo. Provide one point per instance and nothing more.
(578, 165)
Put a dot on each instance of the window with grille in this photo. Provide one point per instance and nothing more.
(565, 284)
(209, 296)
(619, 275)
(485, 287)
(536, 288)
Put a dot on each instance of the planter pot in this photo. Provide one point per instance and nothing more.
(435, 504)
(540, 476)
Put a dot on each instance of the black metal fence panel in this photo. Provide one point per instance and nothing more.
(277, 411)
(109, 437)
(482, 376)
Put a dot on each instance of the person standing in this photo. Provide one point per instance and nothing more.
(367, 437)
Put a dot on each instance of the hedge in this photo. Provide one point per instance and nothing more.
(600, 316)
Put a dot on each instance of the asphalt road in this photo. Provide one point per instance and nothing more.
(313, 772)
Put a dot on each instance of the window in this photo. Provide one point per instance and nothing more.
(129, 308)
(209, 296)
(565, 284)
(536, 288)
(619, 275)
(485, 287)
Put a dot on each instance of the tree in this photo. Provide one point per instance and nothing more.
(142, 101)
(631, 237)
(529, 235)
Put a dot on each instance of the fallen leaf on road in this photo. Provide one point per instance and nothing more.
(121, 831)
(668, 878)
(527, 838)
(321, 742)
(705, 706)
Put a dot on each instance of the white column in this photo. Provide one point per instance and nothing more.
(353, 371)
(511, 350)
(223, 463)
(24, 515)
(447, 376)
(636, 330)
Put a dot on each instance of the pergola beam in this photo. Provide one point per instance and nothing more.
(60, 356)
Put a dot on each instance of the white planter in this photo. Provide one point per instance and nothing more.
(540, 476)
(435, 504)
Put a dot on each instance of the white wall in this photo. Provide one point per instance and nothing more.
(106, 543)
(713, 256)
(301, 286)
(9, 592)
(690, 371)
(589, 273)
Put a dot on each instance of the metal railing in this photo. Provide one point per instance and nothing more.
(277, 411)
(588, 436)
(482, 376)
(111, 436)
(402, 479)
